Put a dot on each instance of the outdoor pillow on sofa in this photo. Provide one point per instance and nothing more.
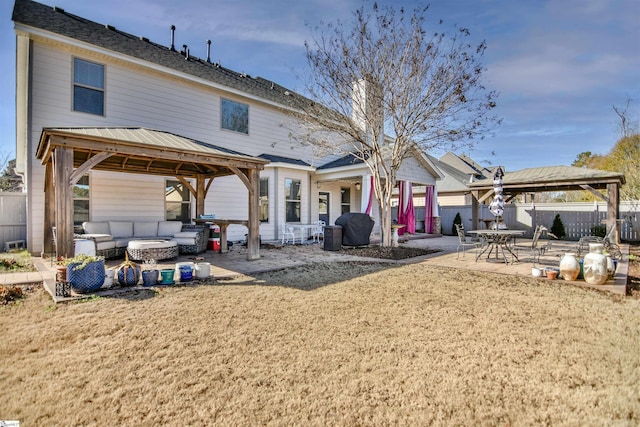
(97, 231)
(145, 229)
(121, 228)
(169, 228)
(186, 237)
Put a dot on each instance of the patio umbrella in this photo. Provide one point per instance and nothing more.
(497, 204)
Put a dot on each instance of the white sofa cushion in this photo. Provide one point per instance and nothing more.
(169, 228)
(188, 234)
(96, 227)
(100, 246)
(121, 228)
(145, 229)
(185, 240)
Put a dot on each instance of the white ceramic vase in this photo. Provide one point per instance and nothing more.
(595, 265)
(569, 267)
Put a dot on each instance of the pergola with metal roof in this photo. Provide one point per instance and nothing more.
(554, 178)
(69, 153)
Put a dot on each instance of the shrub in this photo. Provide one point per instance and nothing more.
(599, 230)
(558, 227)
(9, 294)
(456, 220)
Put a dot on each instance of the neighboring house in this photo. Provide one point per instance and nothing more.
(75, 75)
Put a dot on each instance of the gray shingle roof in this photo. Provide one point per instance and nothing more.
(60, 22)
(280, 159)
(348, 160)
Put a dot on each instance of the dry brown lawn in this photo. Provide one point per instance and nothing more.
(334, 344)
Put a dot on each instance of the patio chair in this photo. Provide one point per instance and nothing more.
(536, 247)
(288, 232)
(463, 242)
(319, 231)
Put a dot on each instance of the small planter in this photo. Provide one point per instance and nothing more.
(166, 277)
(150, 277)
(552, 274)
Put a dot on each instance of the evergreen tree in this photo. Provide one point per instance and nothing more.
(558, 227)
(456, 220)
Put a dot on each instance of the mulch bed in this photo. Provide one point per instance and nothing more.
(387, 253)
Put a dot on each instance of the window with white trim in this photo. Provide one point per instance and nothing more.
(88, 87)
(292, 199)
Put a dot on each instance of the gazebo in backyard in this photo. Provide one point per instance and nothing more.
(69, 153)
(554, 178)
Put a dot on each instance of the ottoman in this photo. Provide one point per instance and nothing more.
(143, 250)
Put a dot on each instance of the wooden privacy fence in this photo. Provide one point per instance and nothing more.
(578, 218)
(13, 218)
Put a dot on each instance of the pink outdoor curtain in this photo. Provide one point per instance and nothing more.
(406, 211)
(409, 212)
(401, 216)
(428, 209)
(370, 204)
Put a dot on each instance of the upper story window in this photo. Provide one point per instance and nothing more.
(88, 87)
(234, 116)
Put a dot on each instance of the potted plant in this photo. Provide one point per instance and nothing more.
(150, 273)
(128, 272)
(85, 273)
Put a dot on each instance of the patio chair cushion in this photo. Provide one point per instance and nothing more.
(96, 227)
(98, 237)
(169, 228)
(121, 228)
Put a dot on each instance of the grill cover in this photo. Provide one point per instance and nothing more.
(356, 228)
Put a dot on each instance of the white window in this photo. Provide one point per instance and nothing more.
(88, 87)
(81, 200)
(292, 199)
(177, 202)
(264, 199)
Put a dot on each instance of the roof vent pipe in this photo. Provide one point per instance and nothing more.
(173, 33)
(209, 51)
(186, 51)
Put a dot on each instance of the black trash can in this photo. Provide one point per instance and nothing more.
(332, 238)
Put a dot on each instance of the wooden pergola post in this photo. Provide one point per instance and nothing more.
(253, 239)
(613, 210)
(49, 207)
(63, 169)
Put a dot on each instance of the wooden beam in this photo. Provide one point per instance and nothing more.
(253, 237)
(613, 210)
(87, 166)
(201, 195)
(594, 192)
(475, 207)
(63, 169)
(49, 208)
(243, 176)
(485, 196)
(187, 184)
(150, 151)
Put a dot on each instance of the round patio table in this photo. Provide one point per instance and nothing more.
(499, 240)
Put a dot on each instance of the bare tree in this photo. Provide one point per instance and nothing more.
(386, 75)
(627, 125)
(9, 181)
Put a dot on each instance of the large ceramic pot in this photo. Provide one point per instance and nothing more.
(569, 267)
(88, 278)
(128, 275)
(595, 265)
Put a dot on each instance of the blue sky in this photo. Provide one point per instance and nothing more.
(559, 65)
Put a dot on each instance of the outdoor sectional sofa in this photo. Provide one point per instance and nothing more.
(112, 237)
